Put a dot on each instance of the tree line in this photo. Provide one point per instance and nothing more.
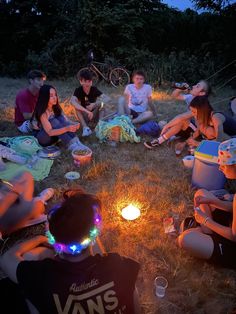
(55, 35)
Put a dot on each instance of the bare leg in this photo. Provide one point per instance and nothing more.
(145, 116)
(39, 253)
(174, 130)
(123, 106)
(81, 119)
(196, 243)
(25, 208)
(26, 181)
(35, 205)
(20, 214)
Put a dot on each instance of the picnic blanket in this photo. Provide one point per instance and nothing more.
(26, 146)
(127, 130)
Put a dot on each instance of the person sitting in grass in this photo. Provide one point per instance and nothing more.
(52, 123)
(88, 102)
(18, 207)
(22, 216)
(183, 125)
(215, 238)
(74, 280)
(211, 124)
(202, 88)
(137, 100)
(26, 100)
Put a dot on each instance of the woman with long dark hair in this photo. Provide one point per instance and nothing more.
(51, 121)
(211, 124)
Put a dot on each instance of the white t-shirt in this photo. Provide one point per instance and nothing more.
(188, 98)
(138, 98)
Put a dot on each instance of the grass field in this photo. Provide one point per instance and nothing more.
(159, 184)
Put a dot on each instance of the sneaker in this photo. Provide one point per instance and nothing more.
(46, 194)
(86, 131)
(81, 146)
(151, 144)
(73, 146)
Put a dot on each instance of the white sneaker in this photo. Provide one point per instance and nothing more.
(80, 145)
(46, 194)
(73, 146)
(86, 131)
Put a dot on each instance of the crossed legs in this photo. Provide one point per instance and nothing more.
(197, 241)
(123, 109)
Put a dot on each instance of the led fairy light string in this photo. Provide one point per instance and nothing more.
(76, 247)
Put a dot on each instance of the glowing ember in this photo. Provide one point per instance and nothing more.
(130, 212)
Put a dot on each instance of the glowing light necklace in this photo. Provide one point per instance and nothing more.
(76, 247)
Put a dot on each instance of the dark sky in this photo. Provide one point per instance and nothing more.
(183, 4)
(180, 4)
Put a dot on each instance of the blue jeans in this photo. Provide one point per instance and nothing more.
(57, 123)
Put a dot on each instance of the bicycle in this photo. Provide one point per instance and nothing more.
(117, 76)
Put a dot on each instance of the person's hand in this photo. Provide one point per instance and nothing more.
(41, 240)
(73, 127)
(90, 107)
(211, 199)
(200, 216)
(186, 86)
(90, 115)
(192, 142)
(28, 245)
(165, 129)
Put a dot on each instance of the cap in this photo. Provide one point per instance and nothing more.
(227, 152)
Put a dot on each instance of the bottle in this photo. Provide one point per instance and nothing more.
(182, 86)
(191, 148)
(86, 101)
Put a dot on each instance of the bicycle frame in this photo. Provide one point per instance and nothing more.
(93, 66)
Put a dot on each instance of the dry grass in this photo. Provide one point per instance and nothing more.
(158, 183)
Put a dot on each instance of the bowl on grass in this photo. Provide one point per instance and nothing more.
(82, 155)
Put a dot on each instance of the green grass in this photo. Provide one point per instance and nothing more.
(159, 184)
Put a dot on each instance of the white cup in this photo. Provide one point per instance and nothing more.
(188, 161)
(161, 284)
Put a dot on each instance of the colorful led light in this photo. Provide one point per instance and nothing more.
(76, 248)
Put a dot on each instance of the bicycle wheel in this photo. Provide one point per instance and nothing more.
(119, 77)
(95, 75)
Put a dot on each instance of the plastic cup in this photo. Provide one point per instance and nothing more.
(178, 152)
(161, 284)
